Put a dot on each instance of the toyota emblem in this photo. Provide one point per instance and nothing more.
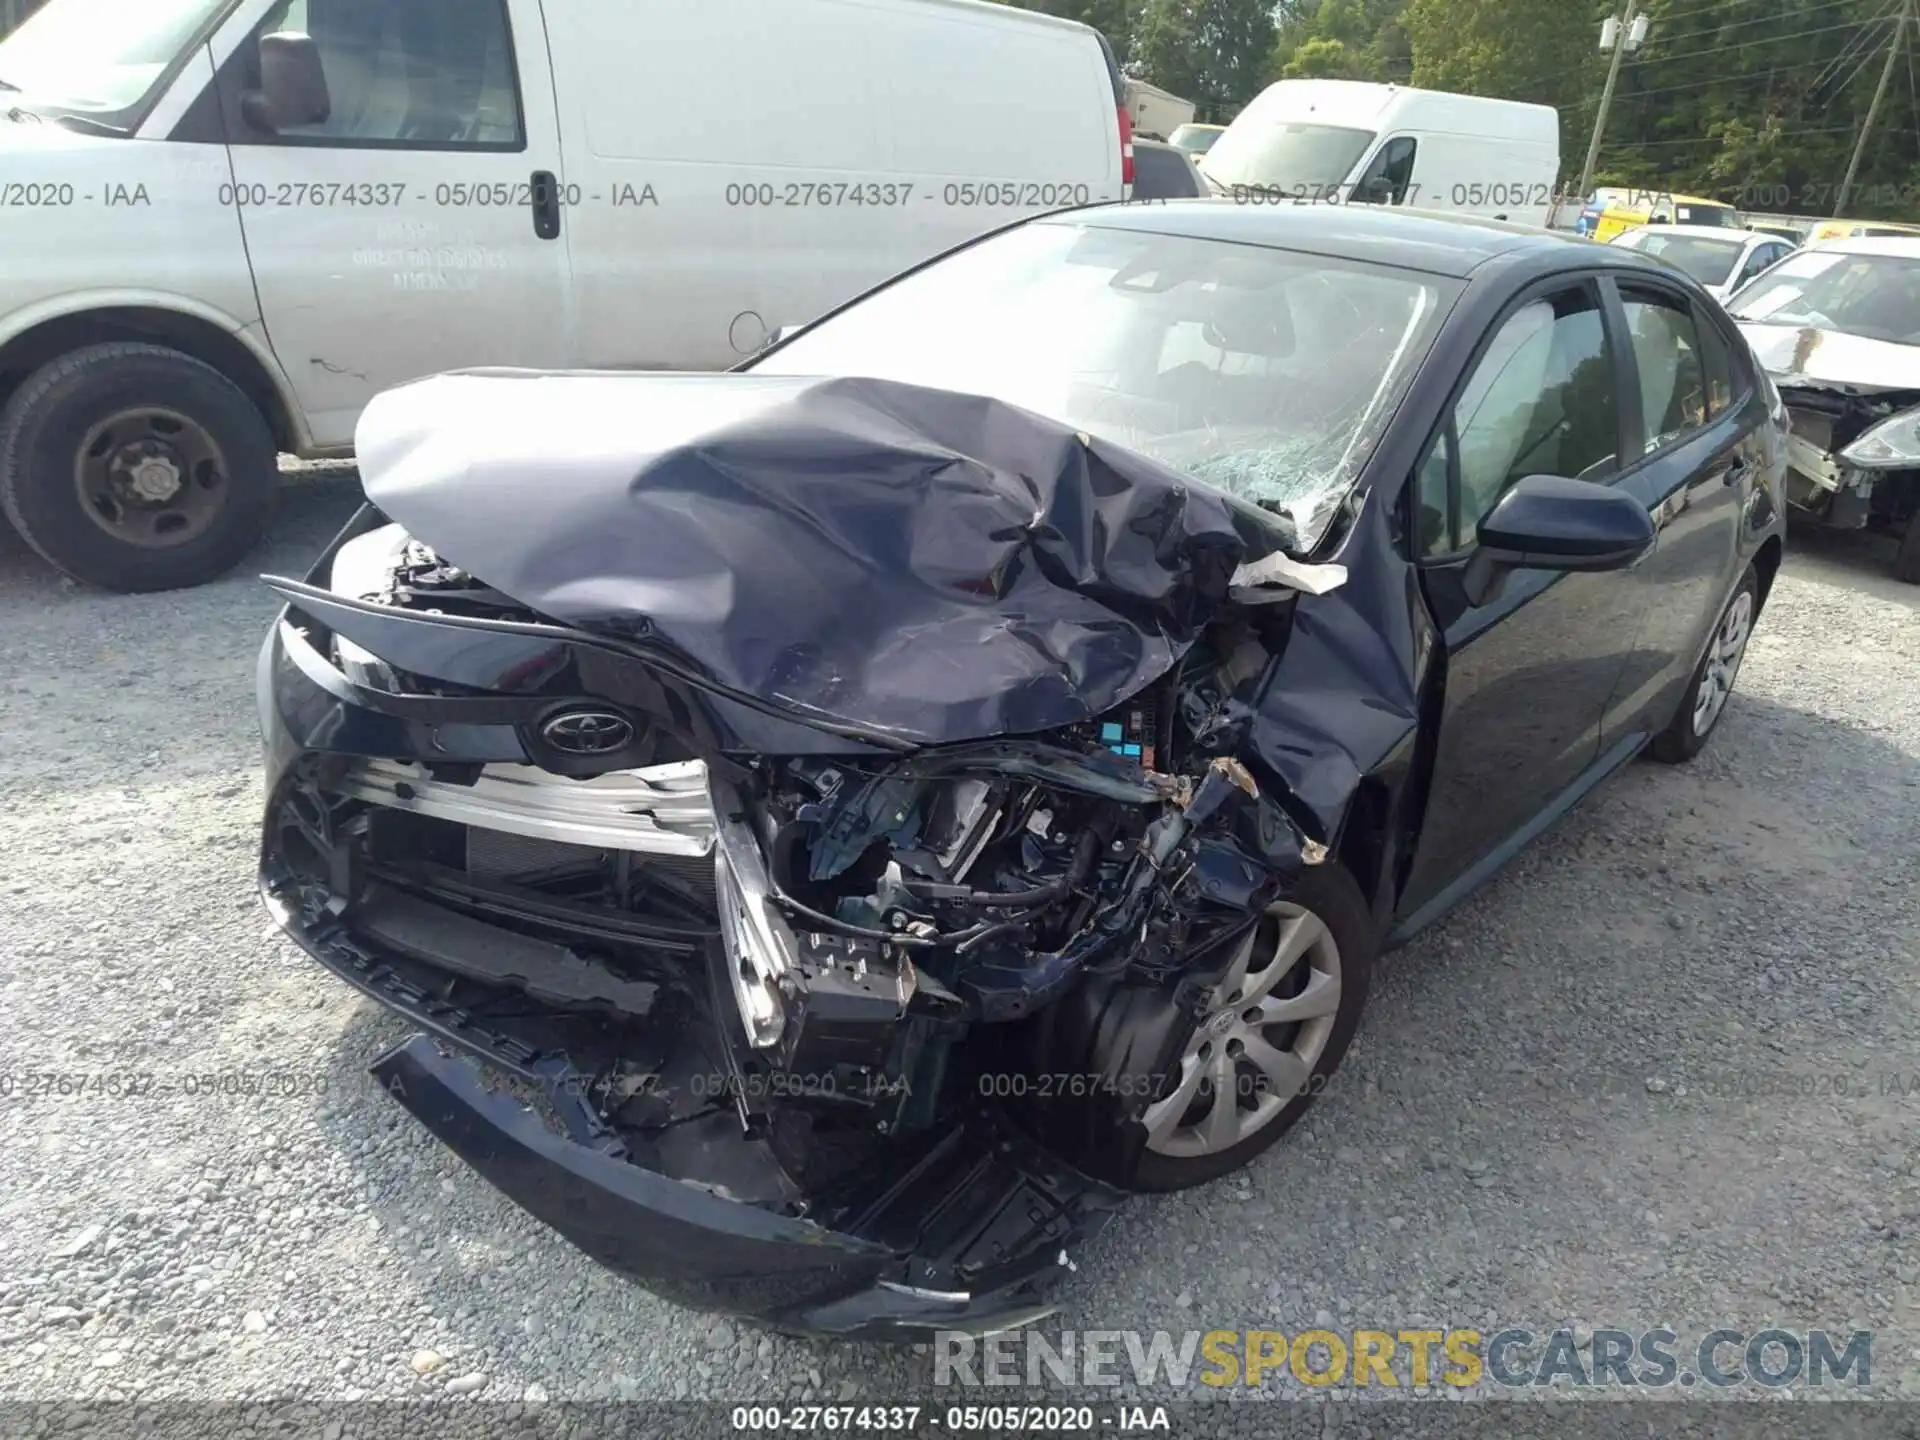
(588, 732)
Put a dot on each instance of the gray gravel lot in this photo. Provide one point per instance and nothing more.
(1551, 1115)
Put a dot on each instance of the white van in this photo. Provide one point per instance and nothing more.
(1351, 141)
(226, 224)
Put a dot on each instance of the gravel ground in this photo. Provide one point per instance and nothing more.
(1533, 1129)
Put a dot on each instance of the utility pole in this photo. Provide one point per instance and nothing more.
(1873, 109)
(1620, 48)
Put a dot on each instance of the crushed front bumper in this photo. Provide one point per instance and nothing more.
(967, 1233)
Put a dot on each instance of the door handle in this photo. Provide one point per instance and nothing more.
(545, 195)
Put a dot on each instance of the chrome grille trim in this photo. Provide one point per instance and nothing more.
(659, 810)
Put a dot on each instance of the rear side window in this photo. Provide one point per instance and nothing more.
(1666, 353)
(428, 74)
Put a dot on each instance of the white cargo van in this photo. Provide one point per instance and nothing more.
(1156, 113)
(1350, 141)
(226, 224)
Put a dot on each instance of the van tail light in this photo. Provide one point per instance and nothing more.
(1126, 146)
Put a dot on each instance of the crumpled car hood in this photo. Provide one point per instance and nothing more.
(935, 565)
(1831, 359)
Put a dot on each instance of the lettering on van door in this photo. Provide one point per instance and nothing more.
(417, 256)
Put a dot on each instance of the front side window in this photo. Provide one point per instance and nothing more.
(1666, 353)
(1539, 402)
(1269, 374)
(1389, 175)
(98, 59)
(426, 74)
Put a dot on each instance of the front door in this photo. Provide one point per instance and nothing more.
(1529, 672)
(397, 236)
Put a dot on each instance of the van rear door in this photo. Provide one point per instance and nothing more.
(392, 217)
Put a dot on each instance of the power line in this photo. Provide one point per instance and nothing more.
(1668, 17)
(1719, 140)
(1749, 44)
(1859, 42)
(1539, 80)
(1757, 20)
(1726, 80)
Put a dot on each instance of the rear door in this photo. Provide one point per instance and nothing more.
(398, 236)
(1529, 673)
(1693, 419)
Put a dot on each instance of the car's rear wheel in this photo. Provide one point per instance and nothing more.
(1705, 699)
(134, 467)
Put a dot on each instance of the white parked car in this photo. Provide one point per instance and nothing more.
(1722, 259)
(227, 224)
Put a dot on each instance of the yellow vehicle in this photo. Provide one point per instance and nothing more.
(1614, 211)
(1857, 230)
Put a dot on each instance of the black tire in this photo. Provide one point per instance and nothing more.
(1680, 741)
(1906, 560)
(1134, 1030)
(49, 419)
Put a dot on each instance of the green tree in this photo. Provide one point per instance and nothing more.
(1212, 52)
(1319, 58)
(1112, 18)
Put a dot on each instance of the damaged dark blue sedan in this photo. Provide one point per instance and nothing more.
(840, 825)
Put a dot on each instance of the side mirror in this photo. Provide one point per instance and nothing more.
(1547, 522)
(1376, 190)
(293, 85)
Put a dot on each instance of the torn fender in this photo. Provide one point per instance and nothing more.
(1344, 697)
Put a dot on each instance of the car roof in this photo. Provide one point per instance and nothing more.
(1437, 242)
(1704, 232)
(1907, 246)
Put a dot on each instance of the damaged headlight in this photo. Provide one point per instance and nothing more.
(1893, 444)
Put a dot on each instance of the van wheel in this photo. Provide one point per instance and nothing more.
(135, 468)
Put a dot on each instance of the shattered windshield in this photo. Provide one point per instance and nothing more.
(1265, 373)
(1873, 295)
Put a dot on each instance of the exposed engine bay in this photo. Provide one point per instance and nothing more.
(871, 911)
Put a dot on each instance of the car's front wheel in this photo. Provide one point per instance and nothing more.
(1202, 1089)
(1705, 699)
